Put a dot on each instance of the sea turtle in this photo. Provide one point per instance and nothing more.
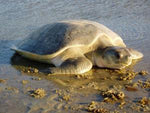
(74, 46)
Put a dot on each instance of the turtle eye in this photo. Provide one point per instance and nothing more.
(118, 55)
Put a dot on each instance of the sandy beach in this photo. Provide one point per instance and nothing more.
(24, 89)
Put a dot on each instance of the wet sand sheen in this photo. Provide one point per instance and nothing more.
(71, 93)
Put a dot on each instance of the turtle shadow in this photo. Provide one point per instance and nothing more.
(20, 63)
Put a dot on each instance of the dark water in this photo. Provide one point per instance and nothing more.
(18, 18)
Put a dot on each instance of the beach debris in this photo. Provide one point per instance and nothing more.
(30, 70)
(12, 89)
(128, 76)
(2, 80)
(131, 88)
(113, 95)
(143, 72)
(144, 84)
(24, 82)
(36, 78)
(38, 93)
(122, 104)
(93, 85)
(63, 95)
(144, 101)
(142, 105)
(95, 109)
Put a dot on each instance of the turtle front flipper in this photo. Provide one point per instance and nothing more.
(77, 65)
(135, 54)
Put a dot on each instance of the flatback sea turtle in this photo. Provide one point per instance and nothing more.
(75, 46)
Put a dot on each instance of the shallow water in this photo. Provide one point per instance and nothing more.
(18, 18)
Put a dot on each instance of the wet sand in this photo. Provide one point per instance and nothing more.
(24, 89)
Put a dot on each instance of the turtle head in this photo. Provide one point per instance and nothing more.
(115, 57)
